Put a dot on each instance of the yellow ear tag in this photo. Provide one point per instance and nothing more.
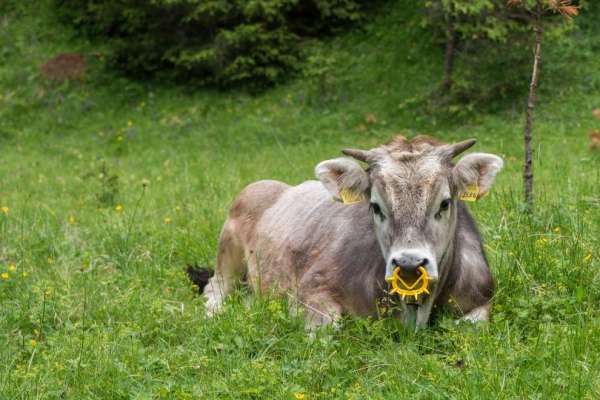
(399, 286)
(471, 193)
(348, 196)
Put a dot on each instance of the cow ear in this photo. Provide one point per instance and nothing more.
(477, 170)
(345, 179)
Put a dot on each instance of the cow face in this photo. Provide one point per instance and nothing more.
(412, 189)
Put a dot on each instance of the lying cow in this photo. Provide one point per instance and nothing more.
(333, 258)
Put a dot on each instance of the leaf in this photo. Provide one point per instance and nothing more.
(569, 11)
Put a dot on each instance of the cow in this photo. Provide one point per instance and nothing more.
(333, 258)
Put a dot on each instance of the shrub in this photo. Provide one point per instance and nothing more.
(220, 42)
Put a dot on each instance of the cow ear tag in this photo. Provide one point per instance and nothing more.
(471, 193)
(349, 196)
(401, 287)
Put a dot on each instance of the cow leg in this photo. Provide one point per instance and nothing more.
(481, 313)
(473, 291)
(229, 270)
(321, 310)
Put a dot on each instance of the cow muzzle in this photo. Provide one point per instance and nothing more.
(409, 263)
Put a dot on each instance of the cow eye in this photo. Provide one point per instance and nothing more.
(445, 204)
(377, 210)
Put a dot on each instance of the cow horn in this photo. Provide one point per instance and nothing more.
(452, 150)
(361, 155)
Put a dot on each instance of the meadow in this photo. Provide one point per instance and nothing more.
(111, 186)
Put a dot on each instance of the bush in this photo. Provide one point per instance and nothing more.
(221, 42)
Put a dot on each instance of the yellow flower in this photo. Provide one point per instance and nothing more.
(119, 208)
(71, 220)
(168, 220)
(33, 342)
(588, 258)
(25, 274)
(4, 209)
(50, 260)
(120, 138)
(129, 124)
(299, 396)
(12, 267)
(4, 276)
(557, 229)
(541, 242)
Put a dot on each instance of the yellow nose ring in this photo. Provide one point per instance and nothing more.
(402, 288)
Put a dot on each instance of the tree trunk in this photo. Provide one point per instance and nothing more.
(528, 166)
(450, 51)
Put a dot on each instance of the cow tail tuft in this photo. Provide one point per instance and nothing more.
(199, 276)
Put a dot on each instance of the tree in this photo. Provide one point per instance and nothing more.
(476, 28)
(536, 10)
(471, 28)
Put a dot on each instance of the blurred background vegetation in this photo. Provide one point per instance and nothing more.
(119, 164)
(262, 42)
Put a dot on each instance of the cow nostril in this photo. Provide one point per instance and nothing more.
(409, 263)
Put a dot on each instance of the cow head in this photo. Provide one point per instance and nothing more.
(412, 188)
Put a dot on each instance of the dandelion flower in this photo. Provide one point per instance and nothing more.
(4, 276)
(168, 220)
(129, 124)
(557, 229)
(25, 274)
(120, 138)
(4, 209)
(12, 267)
(72, 220)
(50, 260)
(299, 396)
(119, 208)
(33, 342)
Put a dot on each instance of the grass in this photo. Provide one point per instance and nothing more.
(111, 186)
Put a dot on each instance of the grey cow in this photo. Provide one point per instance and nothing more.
(333, 258)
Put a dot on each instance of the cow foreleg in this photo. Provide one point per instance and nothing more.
(321, 311)
(481, 313)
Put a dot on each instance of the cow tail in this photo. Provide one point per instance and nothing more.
(199, 276)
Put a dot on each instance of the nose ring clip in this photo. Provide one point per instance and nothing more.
(404, 289)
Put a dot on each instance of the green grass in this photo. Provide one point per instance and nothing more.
(103, 293)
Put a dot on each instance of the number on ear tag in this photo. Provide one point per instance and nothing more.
(348, 196)
(471, 193)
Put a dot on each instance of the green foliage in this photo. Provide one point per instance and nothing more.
(492, 47)
(220, 42)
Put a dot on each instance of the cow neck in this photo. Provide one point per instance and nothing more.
(445, 266)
